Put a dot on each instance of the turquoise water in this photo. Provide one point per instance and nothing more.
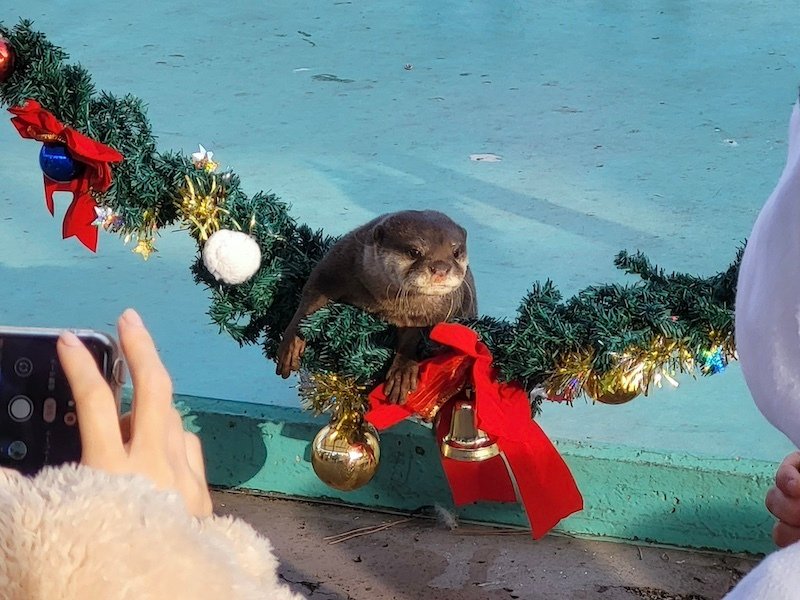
(657, 126)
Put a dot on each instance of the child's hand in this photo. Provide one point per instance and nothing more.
(783, 501)
(149, 441)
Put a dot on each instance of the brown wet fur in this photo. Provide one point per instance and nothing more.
(410, 268)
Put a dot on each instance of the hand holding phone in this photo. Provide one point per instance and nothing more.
(38, 418)
(150, 441)
(84, 370)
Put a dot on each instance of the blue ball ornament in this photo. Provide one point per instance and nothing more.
(57, 163)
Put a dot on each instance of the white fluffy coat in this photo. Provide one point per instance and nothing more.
(774, 578)
(77, 533)
(768, 343)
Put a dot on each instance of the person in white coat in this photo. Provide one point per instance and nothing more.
(768, 345)
(134, 520)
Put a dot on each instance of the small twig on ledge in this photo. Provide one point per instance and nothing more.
(354, 533)
(489, 531)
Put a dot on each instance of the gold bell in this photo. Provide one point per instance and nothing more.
(465, 441)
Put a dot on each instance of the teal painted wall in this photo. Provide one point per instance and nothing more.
(629, 494)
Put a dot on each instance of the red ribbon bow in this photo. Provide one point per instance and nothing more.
(536, 474)
(34, 122)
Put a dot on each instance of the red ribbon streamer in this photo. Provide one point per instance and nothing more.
(543, 480)
(34, 122)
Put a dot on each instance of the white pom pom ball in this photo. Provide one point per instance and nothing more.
(231, 256)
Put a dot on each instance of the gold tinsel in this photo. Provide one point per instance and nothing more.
(200, 209)
(634, 372)
(639, 368)
(725, 343)
(570, 375)
(329, 392)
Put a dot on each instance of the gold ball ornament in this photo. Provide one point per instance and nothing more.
(616, 397)
(345, 457)
(608, 394)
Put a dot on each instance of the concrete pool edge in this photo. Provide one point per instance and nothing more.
(630, 494)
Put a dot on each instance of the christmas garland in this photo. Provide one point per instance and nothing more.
(610, 342)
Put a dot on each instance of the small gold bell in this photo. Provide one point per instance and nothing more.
(465, 441)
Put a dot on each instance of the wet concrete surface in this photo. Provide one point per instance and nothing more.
(330, 552)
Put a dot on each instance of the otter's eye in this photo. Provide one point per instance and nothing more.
(458, 252)
(414, 253)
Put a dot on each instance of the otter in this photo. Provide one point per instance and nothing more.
(410, 268)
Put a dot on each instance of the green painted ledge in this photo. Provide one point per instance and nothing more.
(629, 494)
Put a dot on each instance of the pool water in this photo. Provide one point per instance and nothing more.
(653, 126)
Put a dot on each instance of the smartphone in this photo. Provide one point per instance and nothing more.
(38, 421)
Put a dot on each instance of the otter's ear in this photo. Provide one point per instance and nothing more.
(378, 233)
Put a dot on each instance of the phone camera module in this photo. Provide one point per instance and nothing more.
(23, 367)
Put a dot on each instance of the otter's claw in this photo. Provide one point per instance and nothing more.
(289, 354)
(401, 379)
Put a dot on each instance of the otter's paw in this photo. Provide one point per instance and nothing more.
(289, 353)
(401, 379)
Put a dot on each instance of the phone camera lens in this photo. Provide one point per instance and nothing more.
(20, 408)
(17, 450)
(23, 367)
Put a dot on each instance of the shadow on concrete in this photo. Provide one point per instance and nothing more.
(233, 446)
(421, 559)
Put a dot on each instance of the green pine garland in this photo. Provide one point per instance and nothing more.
(589, 332)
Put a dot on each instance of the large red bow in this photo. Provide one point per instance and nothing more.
(537, 472)
(34, 122)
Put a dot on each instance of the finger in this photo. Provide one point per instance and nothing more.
(194, 456)
(94, 401)
(295, 364)
(176, 431)
(784, 508)
(408, 385)
(413, 377)
(200, 504)
(787, 477)
(176, 443)
(152, 386)
(125, 427)
(395, 395)
(792, 459)
(190, 475)
(388, 387)
(783, 535)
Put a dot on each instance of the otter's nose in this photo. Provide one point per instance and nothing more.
(439, 271)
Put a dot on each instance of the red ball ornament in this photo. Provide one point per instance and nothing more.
(7, 57)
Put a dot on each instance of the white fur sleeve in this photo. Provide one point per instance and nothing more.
(774, 578)
(768, 300)
(768, 343)
(73, 532)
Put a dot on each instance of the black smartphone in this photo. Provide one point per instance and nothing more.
(38, 421)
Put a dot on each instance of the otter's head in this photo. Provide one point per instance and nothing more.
(422, 252)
